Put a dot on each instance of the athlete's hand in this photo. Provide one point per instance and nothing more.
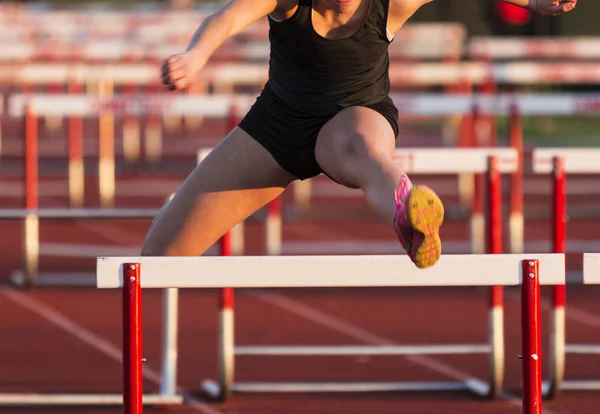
(552, 7)
(180, 71)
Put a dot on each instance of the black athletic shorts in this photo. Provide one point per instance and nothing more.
(290, 137)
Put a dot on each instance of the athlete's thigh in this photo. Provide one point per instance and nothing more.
(350, 141)
(237, 178)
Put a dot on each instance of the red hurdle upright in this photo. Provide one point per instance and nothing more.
(132, 339)
(557, 163)
(559, 294)
(494, 232)
(31, 222)
(226, 316)
(531, 338)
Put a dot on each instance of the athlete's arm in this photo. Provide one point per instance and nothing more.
(231, 19)
(180, 70)
(400, 11)
(546, 7)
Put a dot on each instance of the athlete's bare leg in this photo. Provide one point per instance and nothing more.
(356, 148)
(237, 178)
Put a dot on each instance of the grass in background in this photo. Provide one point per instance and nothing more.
(559, 131)
(538, 131)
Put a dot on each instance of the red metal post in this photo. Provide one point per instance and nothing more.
(466, 130)
(531, 337)
(31, 159)
(478, 179)
(488, 88)
(75, 125)
(132, 339)
(226, 301)
(516, 142)
(226, 249)
(234, 118)
(274, 207)
(559, 227)
(75, 130)
(494, 225)
(516, 184)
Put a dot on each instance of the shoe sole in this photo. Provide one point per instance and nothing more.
(426, 215)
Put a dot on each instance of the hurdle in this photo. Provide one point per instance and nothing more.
(490, 161)
(78, 106)
(560, 162)
(132, 274)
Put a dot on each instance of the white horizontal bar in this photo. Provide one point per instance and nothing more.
(347, 387)
(471, 384)
(499, 104)
(411, 73)
(220, 105)
(580, 385)
(362, 350)
(55, 279)
(444, 160)
(82, 399)
(128, 104)
(591, 268)
(349, 246)
(327, 271)
(589, 349)
(455, 160)
(115, 49)
(546, 47)
(576, 160)
(74, 213)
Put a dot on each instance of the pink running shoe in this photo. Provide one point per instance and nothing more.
(419, 215)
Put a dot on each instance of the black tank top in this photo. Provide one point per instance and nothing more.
(316, 76)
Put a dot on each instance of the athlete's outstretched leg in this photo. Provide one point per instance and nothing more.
(237, 178)
(356, 149)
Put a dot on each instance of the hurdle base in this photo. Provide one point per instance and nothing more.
(26, 400)
(474, 386)
(337, 350)
(57, 279)
(580, 385)
(585, 349)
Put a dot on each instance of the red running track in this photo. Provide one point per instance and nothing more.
(60, 340)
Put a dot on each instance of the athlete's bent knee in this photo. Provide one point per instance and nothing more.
(360, 150)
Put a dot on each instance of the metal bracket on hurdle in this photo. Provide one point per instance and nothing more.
(490, 161)
(558, 163)
(133, 274)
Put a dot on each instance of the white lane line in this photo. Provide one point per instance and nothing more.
(95, 341)
(329, 321)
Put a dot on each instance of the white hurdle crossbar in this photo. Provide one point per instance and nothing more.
(132, 274)
(559, 163)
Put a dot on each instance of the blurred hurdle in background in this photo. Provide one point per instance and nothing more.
(132, 274)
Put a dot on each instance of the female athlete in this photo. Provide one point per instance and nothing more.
(325, 109)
